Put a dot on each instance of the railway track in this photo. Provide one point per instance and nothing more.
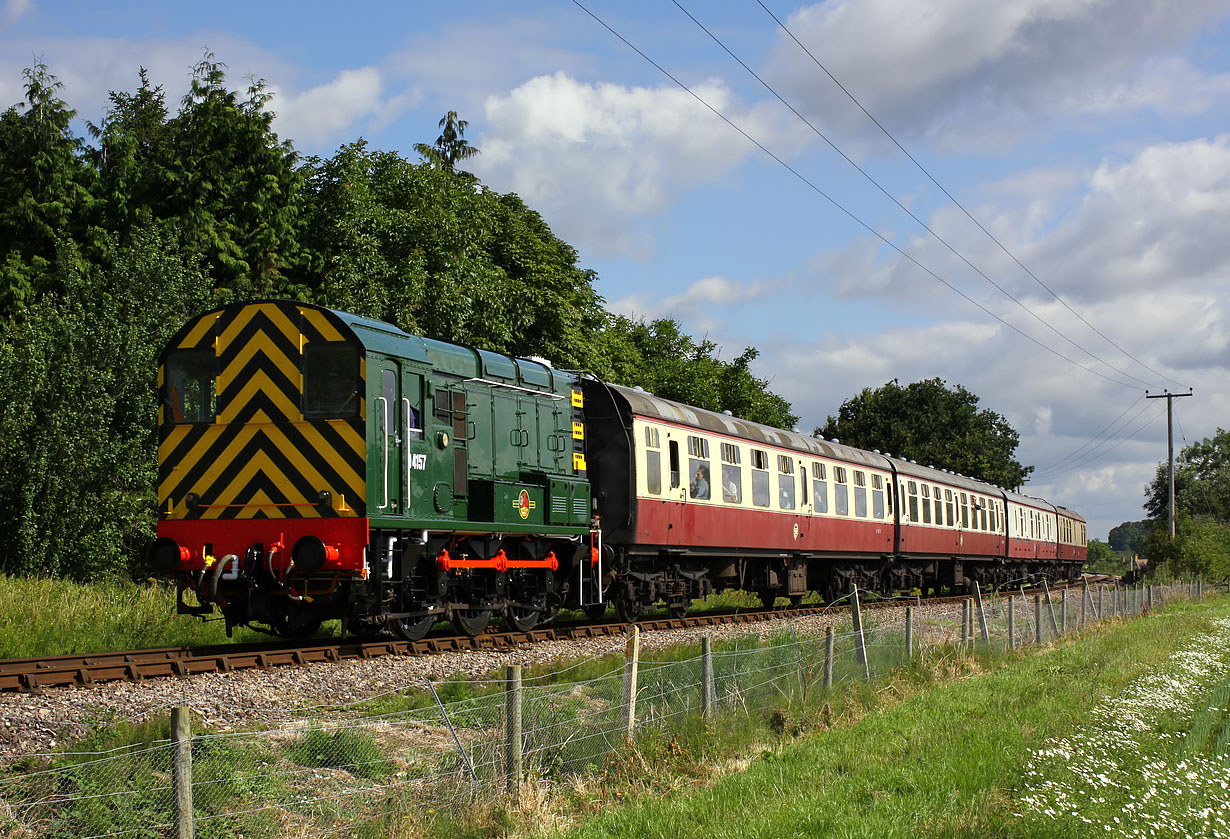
(33, 674)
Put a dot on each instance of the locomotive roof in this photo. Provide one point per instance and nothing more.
(378, 336)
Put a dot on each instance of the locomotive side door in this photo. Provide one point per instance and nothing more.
(416, 499)
(385, 449)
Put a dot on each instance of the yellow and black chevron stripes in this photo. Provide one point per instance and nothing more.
(260, 458)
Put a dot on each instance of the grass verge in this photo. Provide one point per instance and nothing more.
(951, 760)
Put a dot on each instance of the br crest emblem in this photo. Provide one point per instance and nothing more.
(523, 504)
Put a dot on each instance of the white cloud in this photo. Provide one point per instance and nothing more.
(967, 70)
(331, 109)
(598, 158)
(700, 305)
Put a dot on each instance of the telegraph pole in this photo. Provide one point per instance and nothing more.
(1170, 398)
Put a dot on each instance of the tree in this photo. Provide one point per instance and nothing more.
(1102, 560)
(1127, 536)
(78, 436)
(45, 191)
(450, 147)
(660, 357)
(1201, 481)
(935, 425)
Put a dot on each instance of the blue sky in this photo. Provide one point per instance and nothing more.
(1088, 135)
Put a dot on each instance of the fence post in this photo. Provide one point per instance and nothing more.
(632, 659)
(181, 771)
(1038, 619)
(1063, 614)
(982, 614)
(859, 641)
(512, 728)
(706, 677)
(909, 633)
(828, 657)
(1084, 599)
(1150, 597)
(964, 622)
(1012, 622)
(1101, 600)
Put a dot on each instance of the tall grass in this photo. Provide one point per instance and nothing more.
(55, 617)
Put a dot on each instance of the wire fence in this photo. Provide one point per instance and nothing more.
(364, 768)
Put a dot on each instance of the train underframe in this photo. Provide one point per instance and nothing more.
(414, 579)
(410, 581)
(676, 578)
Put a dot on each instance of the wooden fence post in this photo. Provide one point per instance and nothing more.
(181, 771)
(1101, 600)
(1063, 605)
(859, 641)
(828, 657)
(706, 677)
(513, 766)
(909, 633)
(1038, 619)
(1050, 608)
(964, 622)
(632, 659)
(1084, 603)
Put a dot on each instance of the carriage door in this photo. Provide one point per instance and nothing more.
(387, 437)
(415, 498)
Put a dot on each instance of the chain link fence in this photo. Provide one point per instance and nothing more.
(367, 768)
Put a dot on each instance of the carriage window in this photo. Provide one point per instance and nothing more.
(818, 471)
(841, 499)
(732, 483)
(803, 485)
(760, 487)
(701, 478)
(913, 489)
(730, 453)
(674, 449)
(820, 490)
(785, 487)
(964, 511)
(984, 515)
(698, 447)
(191, 390)
(860, 500)
(952, 519)
(652, 440)
(653, 471)
(877, 503)
(939, 507)
(926, 504)
(760, 459)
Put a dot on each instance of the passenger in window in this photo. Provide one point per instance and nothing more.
(700, 483)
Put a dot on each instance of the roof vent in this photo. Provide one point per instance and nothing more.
(876, 451)
(834, 440)
(888, 454)
(638, 389)
(727, 414)
(915, 462)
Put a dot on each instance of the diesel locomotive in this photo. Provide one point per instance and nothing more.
(317, 465)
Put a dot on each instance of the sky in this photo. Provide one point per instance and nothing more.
(1060, 246)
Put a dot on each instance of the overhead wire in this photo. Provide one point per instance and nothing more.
(1093, 439)
(1097, 455)
(930, 230)
(850, 214)
(957, 203)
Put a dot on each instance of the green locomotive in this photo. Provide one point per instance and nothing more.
(316, 465)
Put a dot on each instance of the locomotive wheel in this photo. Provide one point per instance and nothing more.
(595, 611)
(471, 622)
(767, 598)
(627, 610)
(521, 618)
(411, 629)
(678, 610)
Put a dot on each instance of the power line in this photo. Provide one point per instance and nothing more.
(838, 205)
(959, 205)
(1095, 455)
(1093, 439)
(901, 206)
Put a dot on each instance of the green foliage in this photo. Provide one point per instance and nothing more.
(353, 750)
(450, 147)
(1201, 546)
(1201, 481)
(935, 425)
(660, 357)
(77, 413)
(1103, 560)
(1127, 536)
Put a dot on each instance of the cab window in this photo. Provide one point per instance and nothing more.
(191, 391)
(330, 381)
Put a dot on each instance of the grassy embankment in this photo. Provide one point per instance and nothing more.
(1123, 728)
